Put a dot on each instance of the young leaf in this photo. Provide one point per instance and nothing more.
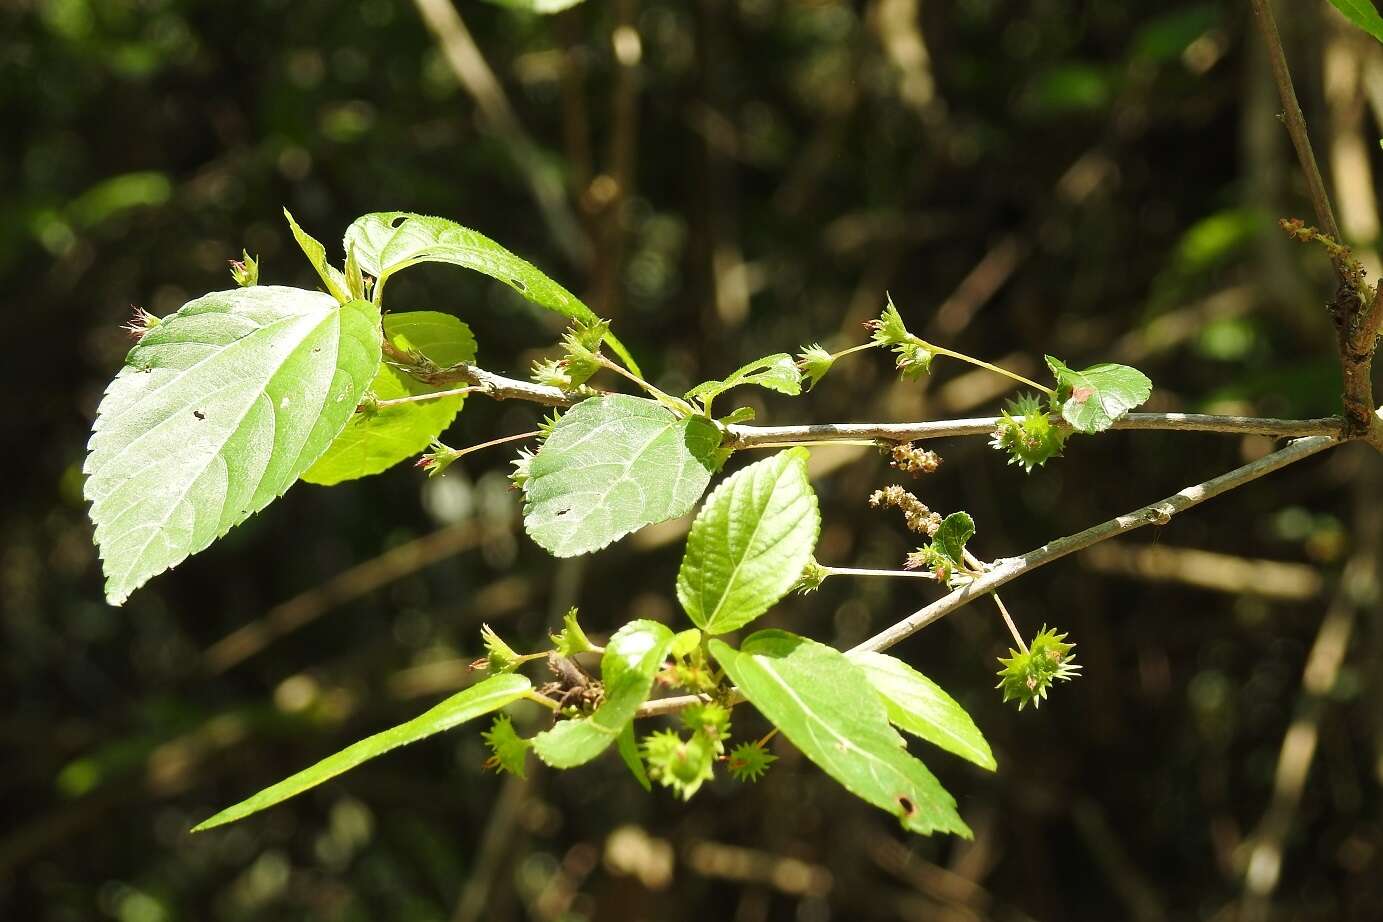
(476, 701)
(917, 705)
(775, 372)
(612, 465)
(749, 543)
(1363, 14)
(375, 440)
(1097, 396)
(956, 529)
(387, 242)
(628, 747)
(217, 411)
(826, 707)
(334, 279)
(632, 658)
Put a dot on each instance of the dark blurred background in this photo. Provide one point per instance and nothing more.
(1098, 179)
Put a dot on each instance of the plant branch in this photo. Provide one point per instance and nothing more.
(989, 366)
(1296, 122)
(1158, 513)
(499, 387)
(1007, 570)
(752, 436)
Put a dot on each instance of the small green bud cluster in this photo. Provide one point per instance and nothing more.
(509, 750)
(914, 354)
(245, 270)
(1026, 676)
(685, 763)
(1026, 432)
(814, 361)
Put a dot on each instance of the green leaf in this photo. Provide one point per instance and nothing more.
(1100, 394)
(1363, 14)
(377, 439)
(611, 466)
(217, 411)
(333, 278)
(749, 543)
(918, 705)
(775, 372)
(956, 529)
(628, 747)
(476, 701)
(386, 242)
(632, 658)
(826, 706)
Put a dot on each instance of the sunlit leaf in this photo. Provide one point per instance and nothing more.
(919, 706)
(826, 707)
(612, 465)
(390, 241)
(1097, 396)
(218, 410)
(375, 440)
(476, 701)
(749, 543)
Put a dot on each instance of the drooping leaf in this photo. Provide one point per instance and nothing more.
(387, 242)
(826, 707)
(628, 747)
(1096, 396)
(334, 279)
(749, 543)
(480, 699)
(632, 658)
(1363, 14)
(775, 372)
(918, 705)
(217, 411)
(375, 440)
(956, 529)
(612, 465)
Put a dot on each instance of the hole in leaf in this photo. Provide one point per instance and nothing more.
(909, 808)
(518, 283)
(398, 222)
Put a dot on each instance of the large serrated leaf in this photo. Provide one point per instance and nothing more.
(217, 411)
(387, 242)
(826, 707)
(375, 440)
(1098, 395)
(1363, 14)
(778, 372)
(632, 658)
(612, 465)
(476, 701)
(919, 706)
(749, 543)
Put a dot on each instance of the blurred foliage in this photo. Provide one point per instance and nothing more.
(787, 161)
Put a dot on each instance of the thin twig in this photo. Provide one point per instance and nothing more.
(1007, 570)
(1295, 121)
(499, 387)
(1158, 513)
(420, 398)
(749, 436)
(864, 571)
